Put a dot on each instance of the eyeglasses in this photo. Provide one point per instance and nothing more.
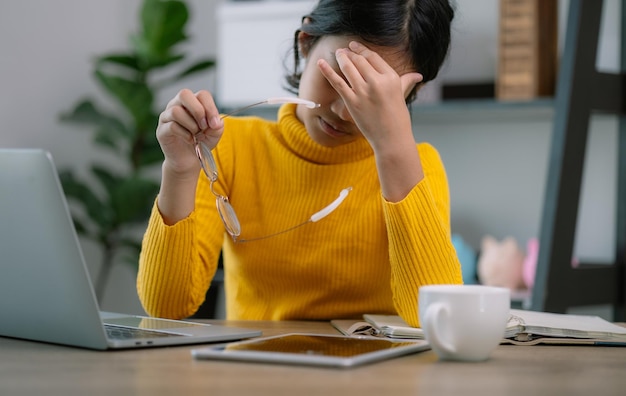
(224, 208)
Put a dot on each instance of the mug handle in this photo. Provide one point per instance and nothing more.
(432, 322)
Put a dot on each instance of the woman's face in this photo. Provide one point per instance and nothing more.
(331, 124)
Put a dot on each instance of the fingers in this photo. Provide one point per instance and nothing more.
(192, 112)
(212, 115)
(360, 64)
(179, 120)
(371, 57)
(362, 67)
(339, 84)
(409, 81)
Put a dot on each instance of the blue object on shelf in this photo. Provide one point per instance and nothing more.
(467, 257)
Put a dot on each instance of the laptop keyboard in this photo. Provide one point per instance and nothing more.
(129, 333)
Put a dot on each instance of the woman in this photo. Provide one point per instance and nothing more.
(390, 230)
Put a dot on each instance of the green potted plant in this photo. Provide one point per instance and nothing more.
(110, 202)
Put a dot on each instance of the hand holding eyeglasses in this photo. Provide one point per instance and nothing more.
(224, 208)
(204, 151)
(186, 117)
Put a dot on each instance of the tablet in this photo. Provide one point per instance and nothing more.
(312, 349)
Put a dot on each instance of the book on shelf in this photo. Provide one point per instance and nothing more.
(523, 328)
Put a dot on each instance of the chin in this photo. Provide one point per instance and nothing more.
(329, 141)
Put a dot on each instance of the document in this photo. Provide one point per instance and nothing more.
(530, 328)
(523, 328)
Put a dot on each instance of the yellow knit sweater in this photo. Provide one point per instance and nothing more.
(368, 256)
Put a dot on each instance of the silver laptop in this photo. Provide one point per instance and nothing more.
(45, 291)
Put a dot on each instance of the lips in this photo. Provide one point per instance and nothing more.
(331, 129)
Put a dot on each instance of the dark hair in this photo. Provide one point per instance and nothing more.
(421, 27)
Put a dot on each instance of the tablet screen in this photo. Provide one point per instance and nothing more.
(315, 349)
(318, 345)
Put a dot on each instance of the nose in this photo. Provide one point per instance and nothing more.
(339, 107)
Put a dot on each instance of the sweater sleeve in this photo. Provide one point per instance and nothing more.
(420, 246)
(173, 275)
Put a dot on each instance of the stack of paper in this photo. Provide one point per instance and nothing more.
(530, 327)
(524, 328)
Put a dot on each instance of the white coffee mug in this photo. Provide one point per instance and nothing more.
(463, 322)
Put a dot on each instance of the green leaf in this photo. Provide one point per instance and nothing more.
(81, 229)
(163, 24)
(156, 63)
(136, 62)
(135, 96)
(133, 250)
(196, 68)
(132, 199)
(86, 112)
(127, 60)
(146, 150)
(97, 211)
(151, 154)
(107, 179)
(104, 138)
(132, 258)
(131, 244)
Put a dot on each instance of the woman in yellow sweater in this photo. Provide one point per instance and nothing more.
(364, 61)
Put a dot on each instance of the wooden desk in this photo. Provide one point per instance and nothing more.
(29, 368)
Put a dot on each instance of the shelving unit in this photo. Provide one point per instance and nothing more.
(581, 90)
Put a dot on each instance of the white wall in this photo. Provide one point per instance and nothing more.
(497, 168)
(496, 162)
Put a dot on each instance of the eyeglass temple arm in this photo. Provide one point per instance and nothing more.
(333, 205)
(275, 100)
(239, 110)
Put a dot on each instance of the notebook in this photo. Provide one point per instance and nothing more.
(390, 326)
(45, 290)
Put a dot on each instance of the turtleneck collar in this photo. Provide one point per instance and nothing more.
(297, 139)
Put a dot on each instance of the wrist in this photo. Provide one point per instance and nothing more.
(399, 171)
(177, 194)
(177, 171)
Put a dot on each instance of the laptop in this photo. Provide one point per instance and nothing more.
(45, 290)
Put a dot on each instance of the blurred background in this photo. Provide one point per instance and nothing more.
(495, 153)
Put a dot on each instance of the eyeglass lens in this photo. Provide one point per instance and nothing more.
(224, 208)
(228, 215)
(207, 162)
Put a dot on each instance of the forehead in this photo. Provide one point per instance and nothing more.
(396, 57)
